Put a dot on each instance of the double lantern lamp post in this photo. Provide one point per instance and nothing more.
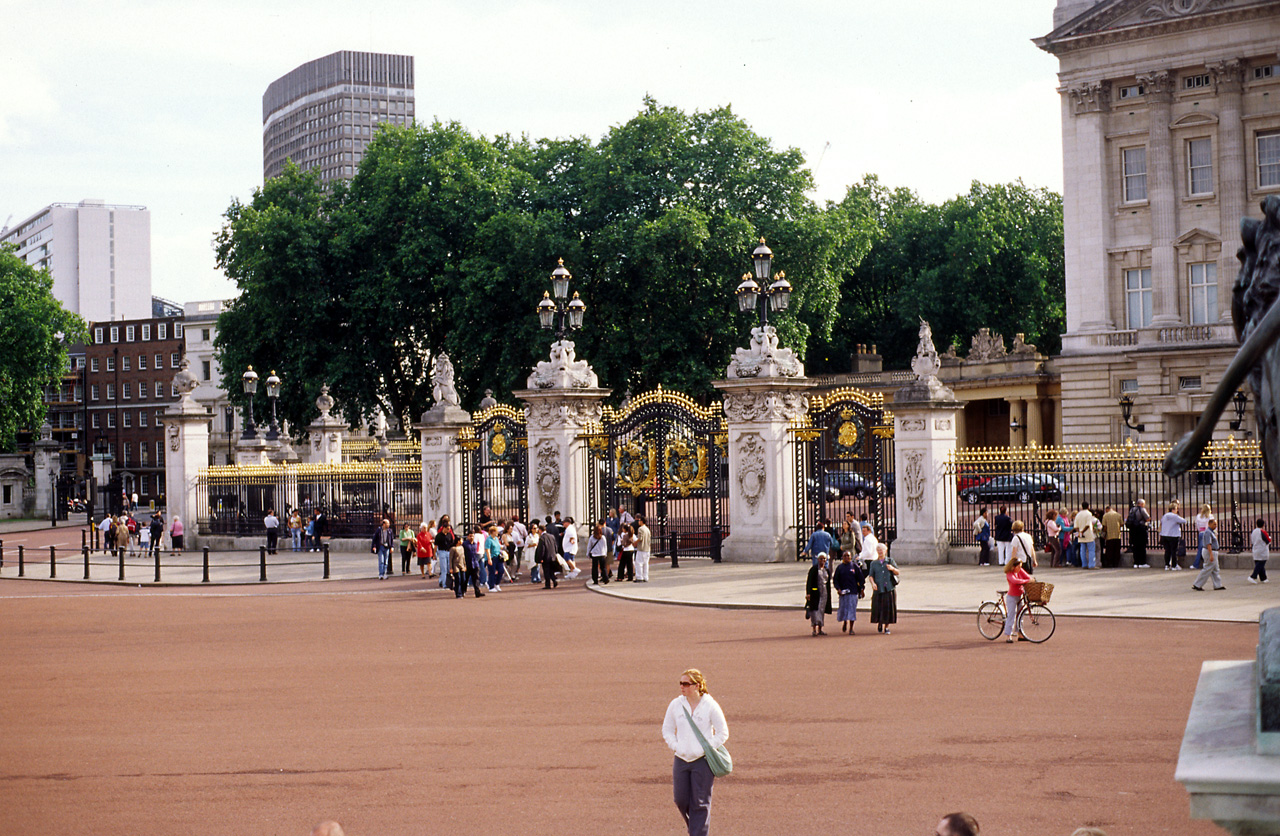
(757, 293)
(559, 315)
(249, 382)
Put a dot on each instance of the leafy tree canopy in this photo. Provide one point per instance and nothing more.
(992, 257)
(35, 331)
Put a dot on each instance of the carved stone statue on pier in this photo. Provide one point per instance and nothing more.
(764, 358)
(442, 386)
(563, 371)
(926, 364)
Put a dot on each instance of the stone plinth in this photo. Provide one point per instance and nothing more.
(762, 466)
(47, 465)
(253, 451)
(325, 434)
(924, 426)
(557, 456)
(186, 439)
(441, 461)
(1228, 761)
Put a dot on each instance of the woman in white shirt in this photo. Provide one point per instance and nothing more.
(1202, 527)
(691, 777)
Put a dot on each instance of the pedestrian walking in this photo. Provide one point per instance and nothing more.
(176, 539)
(445, 541)
(693, 724)
(1202, 525)
(1139, 531)
(884, 585)
(817, 591)
(644, 542)
(598, 551)
(1170, 534)
(272, 524)
(627, 552)
(408, 547)
(1260, 540)
(850, 583)
(545, 555)
(982, 533)
(383, 542)
(1210, 570)
(424, 548)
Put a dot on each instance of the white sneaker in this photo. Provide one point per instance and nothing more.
(1166, 567)
(497, 589)
(1177, 568)
(1146, 566)
(1253, 580)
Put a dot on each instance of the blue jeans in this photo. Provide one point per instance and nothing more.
(483, 574)
(296, 535)
(1089, 554)
(384, 558)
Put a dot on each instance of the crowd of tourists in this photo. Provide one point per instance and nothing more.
(124, 534)
(1074, 540)
(863, 559)
(497, 551)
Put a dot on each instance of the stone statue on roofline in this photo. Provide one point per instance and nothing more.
(926, 365)
(1256, 317)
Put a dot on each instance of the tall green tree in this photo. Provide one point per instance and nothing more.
(35, 331)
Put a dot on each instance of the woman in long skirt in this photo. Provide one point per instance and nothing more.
(884, 583)
(850, 583)
(817, 603)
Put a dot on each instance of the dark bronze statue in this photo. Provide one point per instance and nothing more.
(1256, 316)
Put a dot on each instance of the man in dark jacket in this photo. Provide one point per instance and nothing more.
(1002, 533)
(545, 556)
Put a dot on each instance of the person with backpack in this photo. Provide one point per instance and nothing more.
(982, 533)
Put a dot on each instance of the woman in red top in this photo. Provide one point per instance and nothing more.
(425, 548)
(1017, 578)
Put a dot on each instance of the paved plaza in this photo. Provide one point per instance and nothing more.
(397, 709)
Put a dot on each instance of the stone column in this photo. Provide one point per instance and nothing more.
(47, 466)
(442, 461)
(564, 400)
(1161, 199)
(762, 466)
(187, 437)
(325, 434)
(1231, 186)
(924, 416)
(1034, 408)
(1086, 211)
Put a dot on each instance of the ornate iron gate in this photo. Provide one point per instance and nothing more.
(663, 456)
(844, 463)
(495, 451)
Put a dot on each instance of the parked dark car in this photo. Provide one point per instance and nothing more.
(851, 484)
(811, 491)
(1019, 487)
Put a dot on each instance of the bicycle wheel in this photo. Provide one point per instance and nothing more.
(1037, 623)
(990, 620)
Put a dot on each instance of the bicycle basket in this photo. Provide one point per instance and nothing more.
(1038, 592)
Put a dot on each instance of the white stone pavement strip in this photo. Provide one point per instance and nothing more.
(1115, 593)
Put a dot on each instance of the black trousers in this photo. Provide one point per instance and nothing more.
(1170, 550)
(273, 537)
(599, 569)
(1138, 542)
(549, 569)
(627, 565)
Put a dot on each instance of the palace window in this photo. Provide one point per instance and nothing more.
(111, 391)
(146, 332)
(1269, 159)
(129, 333)
(1200, 166)
(1194, 82)
(162, 331)
(1204, 293)
(93, 365)
(1135, 174)
(142, 362)
(142, 417)
(111, 364)
(1137, 289)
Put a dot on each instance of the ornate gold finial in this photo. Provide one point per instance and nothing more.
(761, 239)
(782, 274)
(560, 261)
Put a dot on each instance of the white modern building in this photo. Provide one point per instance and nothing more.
(323, 114)
(99, 254)
(1170, 135)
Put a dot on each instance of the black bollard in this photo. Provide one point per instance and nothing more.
(53, 563)
(675, 550)
(157, 564)
(1, 554)
(121, 555)
(85, 552)
(22, 569)
(84, 535)
(262, 563)
(326, 561)
(205, 579)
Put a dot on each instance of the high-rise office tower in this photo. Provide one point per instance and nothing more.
(99, 255)
(323, 114)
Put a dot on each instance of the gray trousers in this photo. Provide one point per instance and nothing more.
(692, 784)
(1210, 570)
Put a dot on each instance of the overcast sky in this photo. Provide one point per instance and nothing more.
(160, 104)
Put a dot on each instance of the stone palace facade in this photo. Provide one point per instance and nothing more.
(1170, 134)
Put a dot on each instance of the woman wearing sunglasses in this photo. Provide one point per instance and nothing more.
(691, 776)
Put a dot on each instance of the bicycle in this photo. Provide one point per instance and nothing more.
(1035, 621)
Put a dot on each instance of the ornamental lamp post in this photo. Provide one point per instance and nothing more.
(557, 314)
(273, 392)
(757, 293)
(230, 415)
(249, 382)
(1240, 401)
(1126, 411)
